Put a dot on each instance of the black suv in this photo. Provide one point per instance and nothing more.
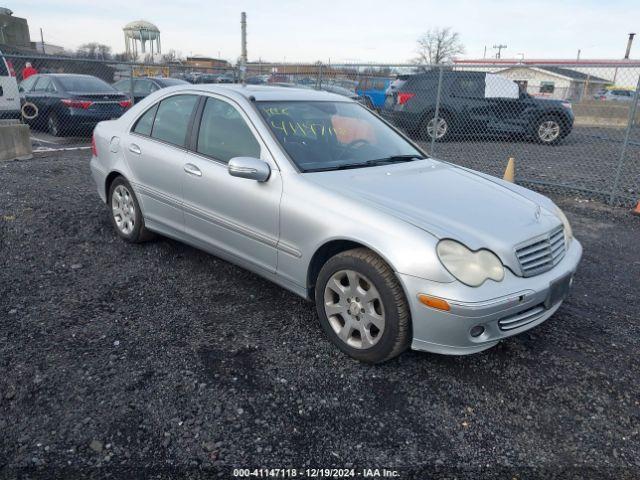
(474, 103)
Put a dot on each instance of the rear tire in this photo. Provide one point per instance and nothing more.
(53, 125)
(443, 131)
(125, 212)
(362, 307)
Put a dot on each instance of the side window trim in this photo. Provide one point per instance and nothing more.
(194, 125)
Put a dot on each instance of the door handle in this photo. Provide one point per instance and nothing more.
(133, 148)
(191, 169)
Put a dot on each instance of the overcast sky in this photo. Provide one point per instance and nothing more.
(344, 31)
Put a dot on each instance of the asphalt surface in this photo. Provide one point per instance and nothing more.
(158, 360)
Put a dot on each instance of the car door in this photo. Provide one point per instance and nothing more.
(9, 98)
(507, 105)
(230, 214)
(155, 152)
(466, 92)
(44, 96)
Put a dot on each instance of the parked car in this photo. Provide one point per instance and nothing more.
(327, 87)
(71, 103)
(317, 194)
(227, 78)
(9, 97)
(614, 95)
(373, 91)
(475, 103)
(258, 79)
(143, 86)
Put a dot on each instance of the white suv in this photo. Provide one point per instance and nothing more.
(9, 97)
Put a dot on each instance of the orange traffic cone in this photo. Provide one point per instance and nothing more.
(636, 211)
(510, 172)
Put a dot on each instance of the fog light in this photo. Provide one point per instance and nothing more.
(477, 331)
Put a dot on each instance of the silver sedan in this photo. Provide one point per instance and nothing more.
(319, 195)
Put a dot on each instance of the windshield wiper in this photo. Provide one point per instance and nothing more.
(394, 159)
(370, 163)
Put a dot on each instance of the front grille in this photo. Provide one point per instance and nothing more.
(520, 319)
(541, 254)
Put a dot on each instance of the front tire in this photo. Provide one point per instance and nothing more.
(362, 307)
(126, 215)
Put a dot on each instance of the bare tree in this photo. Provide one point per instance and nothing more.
(94, 50)
(438, 45)
(171, 57)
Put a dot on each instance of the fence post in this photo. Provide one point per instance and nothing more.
(319, 75)
(131, 84)
(436, 113)
(625, 143)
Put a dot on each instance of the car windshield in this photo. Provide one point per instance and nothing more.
(84, 84)
(334, 135)
(169, 82)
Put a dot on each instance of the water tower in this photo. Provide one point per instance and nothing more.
(138, 33)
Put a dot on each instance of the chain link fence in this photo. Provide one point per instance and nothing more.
(571, 128)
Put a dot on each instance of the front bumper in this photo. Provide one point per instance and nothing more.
(503, 309)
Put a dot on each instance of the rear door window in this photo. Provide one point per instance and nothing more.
(172, 119)
(44, 85)
(468, 87)
(27, 85)
(143, 87)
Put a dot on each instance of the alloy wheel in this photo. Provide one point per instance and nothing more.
(548, 131)
(123, 209)
(440, 127)
(354, 309)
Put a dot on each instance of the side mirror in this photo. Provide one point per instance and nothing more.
(248, 167)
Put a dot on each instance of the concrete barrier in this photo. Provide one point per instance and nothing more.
(15, 142)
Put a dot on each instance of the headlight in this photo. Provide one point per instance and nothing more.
(568, 232)
(471, 268)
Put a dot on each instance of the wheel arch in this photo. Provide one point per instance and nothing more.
(329, 249)
(429, 112)
(109, 180)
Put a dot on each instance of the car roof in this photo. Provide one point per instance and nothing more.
(264, 93)
(62, 75)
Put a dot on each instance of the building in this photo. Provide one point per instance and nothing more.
(206, 62)
(555, 82)
(619, 73)
(49, 48)
(14, 31)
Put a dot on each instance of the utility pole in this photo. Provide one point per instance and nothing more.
(629, 42)
(499, 47)
(42, 41)
(243, 61)
(578, 56)
(484, 55)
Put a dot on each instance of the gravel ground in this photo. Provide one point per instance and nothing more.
(157, 359)
(586, 160)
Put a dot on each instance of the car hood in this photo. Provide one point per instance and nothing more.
(448, 202)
